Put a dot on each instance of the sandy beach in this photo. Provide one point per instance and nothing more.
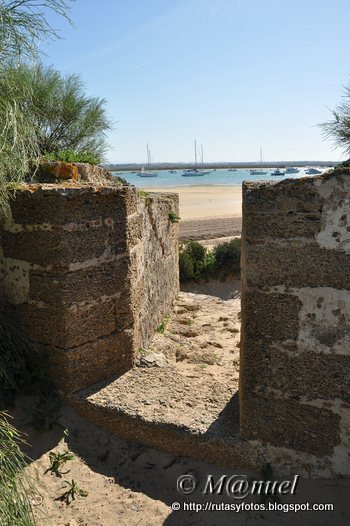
(208, 212)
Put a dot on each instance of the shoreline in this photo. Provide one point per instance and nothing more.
(205, 202)
(208, 212)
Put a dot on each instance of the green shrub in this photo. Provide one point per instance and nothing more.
(227, 257)
(186, 266)
(70, 156)
(196, 262)
(196, 250)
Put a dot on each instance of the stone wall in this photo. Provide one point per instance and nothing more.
(88, 272)
(295, 349)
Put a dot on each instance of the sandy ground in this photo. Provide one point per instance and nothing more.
(206, 202)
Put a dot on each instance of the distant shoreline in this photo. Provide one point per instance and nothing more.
(219, 166)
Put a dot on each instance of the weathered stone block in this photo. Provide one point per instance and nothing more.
(288, 209)
(289, 424)
(65, 328)
(58, 248)
(295, 264)
(86, 285)
(92, 362)
(271, 315)
(82, 262)
(297, 374)
(63, 205)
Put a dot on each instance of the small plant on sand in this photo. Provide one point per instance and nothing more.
(57, 461)
(143, 194)
(72, 492)
(173, 217)
(162, 326)
(45, 415)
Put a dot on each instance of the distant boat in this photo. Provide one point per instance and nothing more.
(205, 172)
(312, 171)
(232, 170)
(277, 172)
(194, 172)
(261, 171)
(173, 171)
(292, 170)
(148, 172)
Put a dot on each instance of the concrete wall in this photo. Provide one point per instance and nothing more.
(88, 273)
(295, 350)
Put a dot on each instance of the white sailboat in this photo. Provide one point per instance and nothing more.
(194, 172)
(148, 172)
(261, 171)
(205, 172)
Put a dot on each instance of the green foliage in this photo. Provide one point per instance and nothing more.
(18, 142)
(196, 262)
(14, 503)
(173, 217)
(22, 26)
(186, 265)
(162, 326)
(338, 128)
(70, 156)
(72, 492)
(143, 194)
(65, 118)
(227, 257)
(57, 461)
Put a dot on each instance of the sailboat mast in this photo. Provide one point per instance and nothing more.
(202, 158)
(195, 152)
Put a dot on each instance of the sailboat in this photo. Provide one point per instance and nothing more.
(148, 172)
(204, 172)
(194, 172)
(261, 171)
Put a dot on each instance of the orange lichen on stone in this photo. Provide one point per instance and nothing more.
(64, 171)
(57, 171)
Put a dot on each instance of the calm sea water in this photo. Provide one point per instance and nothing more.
(219, 177)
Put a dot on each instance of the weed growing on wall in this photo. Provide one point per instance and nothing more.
(173, 217)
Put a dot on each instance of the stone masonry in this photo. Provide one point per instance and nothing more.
(295, 349)
(88, 272)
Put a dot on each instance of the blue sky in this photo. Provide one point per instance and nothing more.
(237, 75)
